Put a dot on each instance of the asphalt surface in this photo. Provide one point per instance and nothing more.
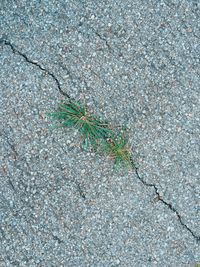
(136, 63)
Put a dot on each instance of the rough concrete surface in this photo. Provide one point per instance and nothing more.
(136, 63)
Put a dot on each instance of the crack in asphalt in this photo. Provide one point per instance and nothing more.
(103, 39)
(169, 205)
(78, 186)
(15, 51)
(11, 145)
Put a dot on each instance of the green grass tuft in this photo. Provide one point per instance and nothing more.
(73, 114)
(117, 148)
(95, 132)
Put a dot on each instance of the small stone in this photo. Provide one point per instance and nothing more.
(83, 171)
(118, 261)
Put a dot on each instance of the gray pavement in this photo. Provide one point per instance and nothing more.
(135, 62)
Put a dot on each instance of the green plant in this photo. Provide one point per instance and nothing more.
(95, 132)
(73, 114)
(117, 148)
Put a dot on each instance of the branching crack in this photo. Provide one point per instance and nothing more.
(15, 51)
(169, 205)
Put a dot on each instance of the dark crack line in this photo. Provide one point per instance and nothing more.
(55, 237)
(11, 145)
(15, 51)
(103, 39)
(169, 205)
(11, 184)
(81, 192)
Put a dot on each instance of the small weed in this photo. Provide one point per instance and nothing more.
(95, 132)
(73, 114)
(117, 148)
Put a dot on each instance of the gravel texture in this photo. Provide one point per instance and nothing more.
(135, 62)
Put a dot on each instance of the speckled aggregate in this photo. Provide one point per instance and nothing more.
(136, 63)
